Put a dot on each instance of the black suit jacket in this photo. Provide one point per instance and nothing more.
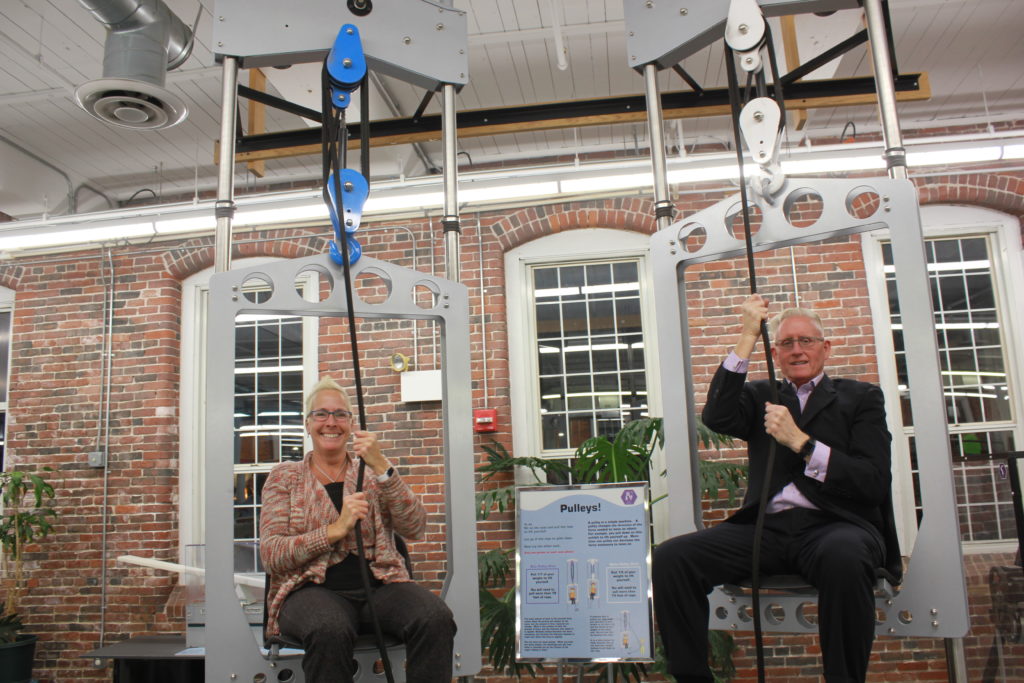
(846, 415)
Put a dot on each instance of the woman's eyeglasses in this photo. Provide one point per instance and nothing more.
(322, 415)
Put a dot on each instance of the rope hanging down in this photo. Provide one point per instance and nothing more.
(760, 87)
(334, 140)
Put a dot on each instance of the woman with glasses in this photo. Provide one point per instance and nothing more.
(308, 546)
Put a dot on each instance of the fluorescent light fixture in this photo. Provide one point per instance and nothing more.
(604, 183)
(508, 191)
(608, 289)
(956, 326)
(1013, 152)
(275, 368)
(291, 214)
(860, 162)
(425, 194)
(973, 373)
(426, 200)
(556, 291)
(698, 174)
(36, 239)
(942, 157)
(190, 224)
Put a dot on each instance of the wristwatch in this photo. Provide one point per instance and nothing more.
(381, 478)
(807, 449)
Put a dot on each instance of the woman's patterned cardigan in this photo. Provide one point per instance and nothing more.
(293, 529)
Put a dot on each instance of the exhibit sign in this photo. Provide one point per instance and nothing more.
(583, 573)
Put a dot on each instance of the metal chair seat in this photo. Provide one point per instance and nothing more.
(794, 584)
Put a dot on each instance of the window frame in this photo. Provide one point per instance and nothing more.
(948, 221)
(570, 248)
(192, 475)
(7, 299)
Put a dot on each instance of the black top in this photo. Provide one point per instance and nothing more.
(346, 574)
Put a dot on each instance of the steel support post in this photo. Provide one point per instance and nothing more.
(896, 161)
(662, 205)
(895, 155)
(225, 206)
(450, 220)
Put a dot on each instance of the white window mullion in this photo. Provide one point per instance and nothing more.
(945, 228)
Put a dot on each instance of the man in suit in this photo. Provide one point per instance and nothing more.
(829, 516)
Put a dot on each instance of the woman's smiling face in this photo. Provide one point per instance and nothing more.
(329, 436)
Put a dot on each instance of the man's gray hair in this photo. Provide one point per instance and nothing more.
(794, 312)
(326, 384)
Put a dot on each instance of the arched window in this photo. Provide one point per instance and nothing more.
(275, 360)
(974, 268)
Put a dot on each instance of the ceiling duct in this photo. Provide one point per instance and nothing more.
(145, 40)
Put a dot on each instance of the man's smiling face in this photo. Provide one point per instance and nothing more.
(801, 362)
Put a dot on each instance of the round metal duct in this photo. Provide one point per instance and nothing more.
(144, 40)
(131, 103)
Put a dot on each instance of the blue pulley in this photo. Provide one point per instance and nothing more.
(354, 190)
(346, 65)
(355, 250)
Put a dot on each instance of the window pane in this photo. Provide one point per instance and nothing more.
(974, 380)
(590, 341)
(268, 410)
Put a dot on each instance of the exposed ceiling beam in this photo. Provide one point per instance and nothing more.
(555, 115)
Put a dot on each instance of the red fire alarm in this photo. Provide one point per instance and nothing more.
(485, 420)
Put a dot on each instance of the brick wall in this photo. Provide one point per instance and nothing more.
(56, 404)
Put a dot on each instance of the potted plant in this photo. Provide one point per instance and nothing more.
(25, 517)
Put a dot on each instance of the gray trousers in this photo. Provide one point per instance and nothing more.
(327, 622)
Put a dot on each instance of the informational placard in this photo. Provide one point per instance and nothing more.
(583, 573)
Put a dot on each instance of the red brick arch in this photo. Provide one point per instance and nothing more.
(10, 276)
(198, 254)
(1001, 192)
(525, 225)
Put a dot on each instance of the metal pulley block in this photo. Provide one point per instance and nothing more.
(745, 33)
(346, 65)
(760, 124)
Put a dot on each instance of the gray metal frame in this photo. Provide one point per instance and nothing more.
(421, 42)
(665, 33)
(932, 600)
(231, 651)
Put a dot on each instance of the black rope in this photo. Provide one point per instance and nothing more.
(334, 137)
(755, 572)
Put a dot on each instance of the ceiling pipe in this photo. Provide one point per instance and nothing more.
(145, 39)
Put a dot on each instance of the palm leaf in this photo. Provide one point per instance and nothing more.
(493, 567)
(718, 474)
(627, 458)
(498, 633)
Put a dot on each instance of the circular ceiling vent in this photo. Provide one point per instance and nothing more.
(131, 104)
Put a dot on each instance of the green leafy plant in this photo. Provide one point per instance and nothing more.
(26, 518)
(497, 599)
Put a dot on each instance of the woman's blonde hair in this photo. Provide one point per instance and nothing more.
(326, 384)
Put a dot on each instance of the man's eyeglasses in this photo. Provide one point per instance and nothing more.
(803, 342)
(322, 415)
